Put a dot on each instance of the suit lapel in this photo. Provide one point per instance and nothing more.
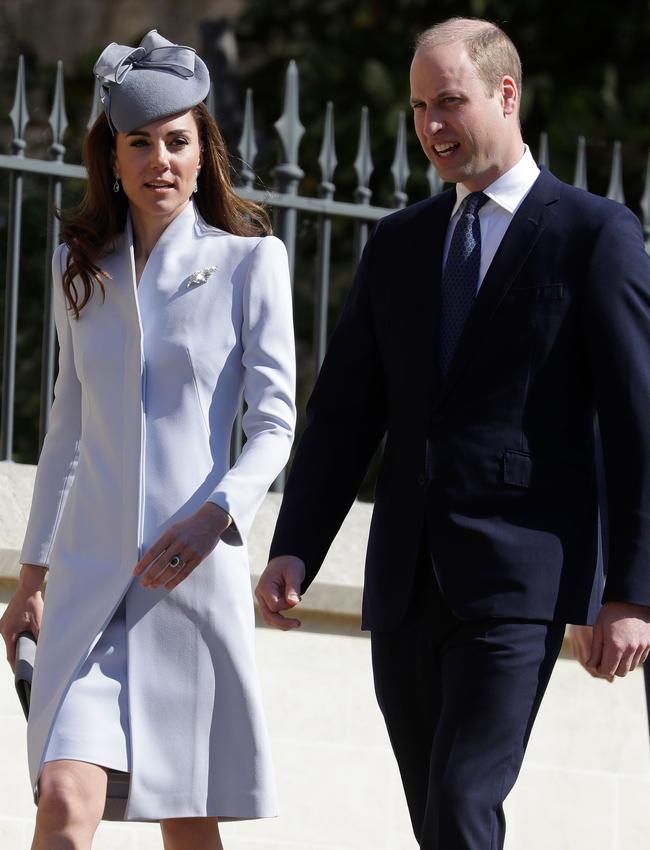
(520, 238)
(424, 266)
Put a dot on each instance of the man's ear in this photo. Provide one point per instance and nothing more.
(509, 95)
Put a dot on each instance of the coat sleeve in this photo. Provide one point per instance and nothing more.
(58, 460)
(269, 363)
(346, 419)
(616, 316)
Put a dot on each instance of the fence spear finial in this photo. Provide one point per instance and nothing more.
(96, 108)
(19, 115)
(211, 102)
(327, 158)
(615, 189)
(435, 181)
(363, 164)
(542, 154)
(580, 174)
(58, 119)
(645, 205)
(400, 167)
(247, 145)
(288, 126)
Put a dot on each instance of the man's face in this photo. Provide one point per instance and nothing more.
(468, 135)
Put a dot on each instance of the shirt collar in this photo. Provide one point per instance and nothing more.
(509, 190)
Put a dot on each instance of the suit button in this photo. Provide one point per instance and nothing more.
(421, 480)
(436, 419)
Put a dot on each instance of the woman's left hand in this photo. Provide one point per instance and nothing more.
(182, 548)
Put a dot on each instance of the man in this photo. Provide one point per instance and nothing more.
(484, 328)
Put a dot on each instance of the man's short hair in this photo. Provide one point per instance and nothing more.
(492, 52)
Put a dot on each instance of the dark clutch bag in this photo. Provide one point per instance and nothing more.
(118, 783)
(25, 653)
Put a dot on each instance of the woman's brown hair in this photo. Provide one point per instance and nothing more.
(90, 228)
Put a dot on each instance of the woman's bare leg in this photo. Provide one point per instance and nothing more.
(191, 833)
(71, 802)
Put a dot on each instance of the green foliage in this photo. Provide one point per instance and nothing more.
(585, 72)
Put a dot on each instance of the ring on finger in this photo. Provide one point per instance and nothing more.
(175, 563)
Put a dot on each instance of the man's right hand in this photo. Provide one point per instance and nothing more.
(279, 590)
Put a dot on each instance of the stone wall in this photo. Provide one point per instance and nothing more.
(584, 786)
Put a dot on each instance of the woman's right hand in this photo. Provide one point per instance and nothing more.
(25, 609)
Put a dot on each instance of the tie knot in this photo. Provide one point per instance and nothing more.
(474, 202)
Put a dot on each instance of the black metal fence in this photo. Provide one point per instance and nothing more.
(287, 204)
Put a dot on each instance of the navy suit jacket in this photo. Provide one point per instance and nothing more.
(494, 464)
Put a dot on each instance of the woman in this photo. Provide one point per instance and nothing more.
(168, 304)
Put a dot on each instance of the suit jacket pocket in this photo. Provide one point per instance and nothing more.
(538, 293)
(517, 468)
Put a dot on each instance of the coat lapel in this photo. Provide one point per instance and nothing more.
(520, 238)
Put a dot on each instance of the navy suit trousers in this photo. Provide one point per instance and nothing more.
(459, 699)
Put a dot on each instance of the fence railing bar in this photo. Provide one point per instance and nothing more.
(11, 316)
(328, 162)
(288, 175)
(247, 151)
(237, 439)
(272, 198)
(316, 205)
(364, 167)
(30, 165)
(49, 331)
(19, 118)
(58, 123)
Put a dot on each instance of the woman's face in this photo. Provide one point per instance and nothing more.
(158, 166)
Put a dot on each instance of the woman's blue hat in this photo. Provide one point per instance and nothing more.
(145, 83)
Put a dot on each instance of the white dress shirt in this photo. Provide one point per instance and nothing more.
(505, 194)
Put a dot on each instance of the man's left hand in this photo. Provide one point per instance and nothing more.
(621, 639)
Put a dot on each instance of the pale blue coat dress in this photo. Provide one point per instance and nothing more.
(162, 684)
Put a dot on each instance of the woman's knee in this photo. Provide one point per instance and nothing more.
(71, 795)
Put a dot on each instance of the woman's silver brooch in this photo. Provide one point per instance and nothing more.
(201, 277)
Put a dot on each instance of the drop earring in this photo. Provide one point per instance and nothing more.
(116, 185)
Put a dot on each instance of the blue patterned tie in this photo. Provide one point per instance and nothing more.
(460, 278)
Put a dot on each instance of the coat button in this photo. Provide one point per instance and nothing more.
(436, 419)
(421, 480)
